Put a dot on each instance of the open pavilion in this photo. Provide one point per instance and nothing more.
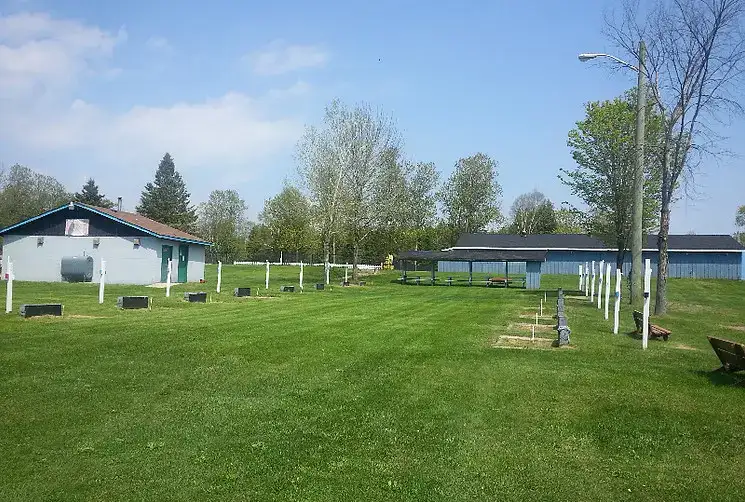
(532, 260)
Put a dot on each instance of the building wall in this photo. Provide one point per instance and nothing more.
(125, 262)
(195, 268)
(533, 275)
(687, 265)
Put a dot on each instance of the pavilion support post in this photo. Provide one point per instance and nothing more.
(506, 274)
(403, 264)
(470, 273)
(434, 270)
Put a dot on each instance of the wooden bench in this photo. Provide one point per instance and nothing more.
(654, 330)
(731, 354)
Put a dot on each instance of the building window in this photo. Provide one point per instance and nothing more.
(76, 228)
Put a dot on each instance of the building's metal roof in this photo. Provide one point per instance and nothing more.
(134, 220)
(474, 255)
(713, 243)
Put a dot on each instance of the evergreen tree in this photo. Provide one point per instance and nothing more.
(166, 200)
(90, 195)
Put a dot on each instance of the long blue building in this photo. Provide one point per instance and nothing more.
(691, 256)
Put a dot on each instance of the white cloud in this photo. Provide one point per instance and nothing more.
(279, 57)
(159, 44)
(39, 54)
(232, 137)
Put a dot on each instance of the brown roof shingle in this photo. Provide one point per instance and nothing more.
(145, 223)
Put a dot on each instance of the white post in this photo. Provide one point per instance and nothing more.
(301, 276)
(592, 284)
(280, 257)
(219, 275)
(102, 282)
(9, 288)
(266, 281)
(600, 284)
(328, 268)
(587, 276)
(647, 287)
(541, 307)
(346, 272)
(617, 305)
(168, 279)
(607, 289)
(581, 276)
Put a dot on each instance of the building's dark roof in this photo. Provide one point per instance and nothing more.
(138, 221)
(581, 241)
(473, 255)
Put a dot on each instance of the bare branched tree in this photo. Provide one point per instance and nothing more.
(339, 165)
(696, 58)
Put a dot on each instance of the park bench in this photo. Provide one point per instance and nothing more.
(654, 330)
(731, 354)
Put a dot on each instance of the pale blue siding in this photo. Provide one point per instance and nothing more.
(725, 265)
(533, 275)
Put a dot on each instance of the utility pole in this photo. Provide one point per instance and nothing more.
(638, 201)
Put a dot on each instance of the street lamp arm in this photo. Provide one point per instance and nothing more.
(589, 56)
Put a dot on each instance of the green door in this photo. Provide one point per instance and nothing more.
(183, 261)
(167, 254)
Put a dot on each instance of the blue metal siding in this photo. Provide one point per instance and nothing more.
(533, 275)
(481, 267)
(729, 265)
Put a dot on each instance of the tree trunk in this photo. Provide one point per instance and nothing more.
(355, 261)
(327, 257)
(660, 306)
(619, 258)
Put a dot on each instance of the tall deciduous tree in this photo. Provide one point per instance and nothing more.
(222, 221)
(740, 222)
(570, 221)
(91, 195)
(287, 217)
(471, 196)
(532, 213)
(602, 145)
(25, 193)
(696, 59)
(166, 200)
(421, 200)
(340, 165)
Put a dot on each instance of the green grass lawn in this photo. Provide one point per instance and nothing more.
(383, 392)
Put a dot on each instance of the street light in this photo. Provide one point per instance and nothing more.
(592, 55)
(637, 202)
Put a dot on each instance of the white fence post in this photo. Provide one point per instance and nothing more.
(607, 289)
(587, 277)
(168, 279)
(9, 288)
(346, 273)
(301, 276)
(592, 283)
(219, 275)
(328, 269)
(647, 287)
(102, 281)
(600, 284)
(581, 276)
(266, 281)
(617, 306)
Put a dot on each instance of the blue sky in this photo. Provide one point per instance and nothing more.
(103, 89)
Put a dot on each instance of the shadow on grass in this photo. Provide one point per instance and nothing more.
(719, 377)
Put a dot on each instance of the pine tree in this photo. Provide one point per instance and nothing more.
(166, 200)
(90, 195)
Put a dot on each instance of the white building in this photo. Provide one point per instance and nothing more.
(57, 245)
